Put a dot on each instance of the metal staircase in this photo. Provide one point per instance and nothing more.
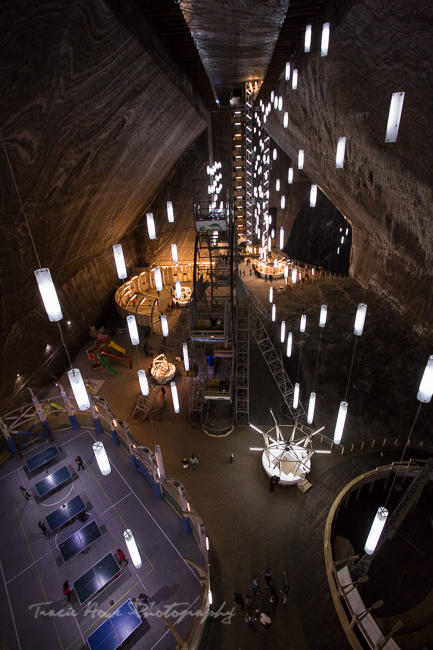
(242, 361)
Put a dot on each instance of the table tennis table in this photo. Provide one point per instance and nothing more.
(96, 578)
(65, 513)
(53, 481)
(116, 629)
(76, 543)
(42, 457)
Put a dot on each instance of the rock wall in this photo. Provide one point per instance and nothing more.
(91, 126)
(385, 190)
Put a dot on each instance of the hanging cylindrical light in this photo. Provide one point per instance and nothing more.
(283, 331)
(174, 256)
(285, 120)
(79, 389)
(341, 148)
(275, 262)
(307, 40)
(311, 407)
(273, 233)
(301, 159)
(49, 294)
(289, 344)
(132, 547)
(274, 154)
(294, 79)
(282, 238)
(325, 39)
(280, 103)
(144, 384)
(425, 390)
(277, 185)
(303, 323)
(276, 102)
(151, 225)
(283, 202)
(272, 95)
(120, 261)
(271, 295)
(164, 325)
(269, 244)
(287, 72)
(178, 290)
(376, 530)
(133, 331)
(341, 419)
(296, 396)
(101, 458)
(360, 319)
(174, 397)
(158, 278)
(185, 356)
(274, 313)
(290, 176)
(294, 274)
(170, 212)
(286, 270)
(394, 117)
(323, 315)
(313, 196)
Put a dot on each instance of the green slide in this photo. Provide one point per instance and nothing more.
(107, 365)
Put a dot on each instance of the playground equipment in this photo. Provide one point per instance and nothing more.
(104, 346)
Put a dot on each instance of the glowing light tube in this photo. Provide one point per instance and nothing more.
(283, 331)
(341, 419)
(120, 261)
(313, 196)
(271, 295)
(323, 315)
(290, 176)
(174, 255)
(287, 72)
(307, 40)
(79, 389)
(289, 344)
(294, 275)
(360, 319)
(425, 390)
(325, 39)
(274, 154)
(144, 384)
(286, 270)
(282, 238)
(394, 117)
(303, 323)
(174, 397)
(158, 278)
(102, 458)
(341, 148)
(178, 290)
(151, 225)
(311, 407)
(277, 185)
(269, 244)
(376, 530)
(296, 396)
(286, 120)
(280, 103)
(185, 356)
(164, 325)
(283, 202)
(49, 295)
(295, 79)
(170, 212)
(132, 547)
(133, 331)
(274, 313)
(301, 159)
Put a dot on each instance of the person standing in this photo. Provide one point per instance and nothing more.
(122, 557)
(274, 601)
(248, 601)
(43, 528)
(79, 462)
(25, 493)
(185, 465)
(268, 578)
(265, 620)
(239, 600)
(67, 590)
(130, 363)
(193, 461)
(249, 621)
(285, 592)
(274, 481)
(255, 586)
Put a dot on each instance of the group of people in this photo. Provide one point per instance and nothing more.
(121, 559)
(254, 616)
(192, 461)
